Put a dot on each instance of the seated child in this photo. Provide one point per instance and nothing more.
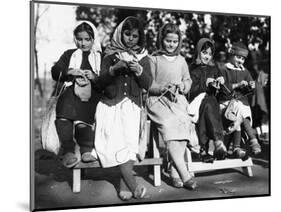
(76, 105)
(206, 79)
(237, 78)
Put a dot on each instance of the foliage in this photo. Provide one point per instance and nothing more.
(224, 29)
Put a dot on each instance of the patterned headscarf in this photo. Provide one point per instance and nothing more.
(116, 44)
(164, 30)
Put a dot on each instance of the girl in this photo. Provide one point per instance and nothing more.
(206, 79)
(76, 106)
(167, 105)
(236, 77)
(124, 74)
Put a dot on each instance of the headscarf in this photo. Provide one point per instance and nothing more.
(161, 50)
(200, 44)
(116, 45)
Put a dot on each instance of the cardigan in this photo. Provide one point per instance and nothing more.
(70, 106)
(199, 75)
(125, 83)
(232, 77)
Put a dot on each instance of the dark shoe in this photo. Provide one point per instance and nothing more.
(87, 157)
(207, 158)
(177, 182)
(125, 195)
(255, 146)
(140, 192)
(190, 184)
(220, 150)
(69, 160)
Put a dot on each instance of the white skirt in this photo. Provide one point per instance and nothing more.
(244, 110)
(117, 132)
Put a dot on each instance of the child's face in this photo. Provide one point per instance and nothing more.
(130, 37)
(84, 41)
(206, 56)
(237, 60)
(171, 42)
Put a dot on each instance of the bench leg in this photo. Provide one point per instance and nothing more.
(248, 171)
(76, 180)
(188, 159)
(156, 168)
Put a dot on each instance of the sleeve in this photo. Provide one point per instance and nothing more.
(186, 79)
(248, 76)
(155, 88)
(145, 79)
(61, 67)
(105, 78)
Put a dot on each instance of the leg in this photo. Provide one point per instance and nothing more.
(65, 133)
(85, 138)
(237, 151)
(253, 141)
(177, 150)
(127, 174)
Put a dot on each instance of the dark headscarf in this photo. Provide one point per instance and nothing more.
(199, 46)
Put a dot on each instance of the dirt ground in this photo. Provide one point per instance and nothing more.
(99, 186)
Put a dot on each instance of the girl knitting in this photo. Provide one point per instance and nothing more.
(237, 78)
(76, 106)
(124, 74)
(206, 79)
(167, 105)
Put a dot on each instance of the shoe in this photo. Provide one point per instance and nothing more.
(125, 195)
(255, 146)
(239, 153)
(87, 157)
(190, 184)
(69, 160)
(177, 182)
(140, 192)
(220, 150)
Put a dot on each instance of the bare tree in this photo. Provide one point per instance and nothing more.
(38, 15)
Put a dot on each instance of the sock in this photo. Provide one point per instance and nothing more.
(65, 133)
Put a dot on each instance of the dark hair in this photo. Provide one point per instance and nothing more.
(207, 45)
(84, 27)
(132, 23)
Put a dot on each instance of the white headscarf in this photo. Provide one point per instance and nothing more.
(95, 52)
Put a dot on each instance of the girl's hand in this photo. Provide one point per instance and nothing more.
(209, 81)
(75, 72)
(252, 84)
(89, 74)
(181, 88)
(115, 68)
(120, 64)
(135, 67)
(243, 83)
(220, 80)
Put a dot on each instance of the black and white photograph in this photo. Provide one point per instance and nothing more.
(139, 105)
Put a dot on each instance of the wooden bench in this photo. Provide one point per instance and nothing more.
(218, 164)
(156, 162)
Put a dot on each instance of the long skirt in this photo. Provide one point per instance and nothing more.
(171, 117)
(117, 132)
